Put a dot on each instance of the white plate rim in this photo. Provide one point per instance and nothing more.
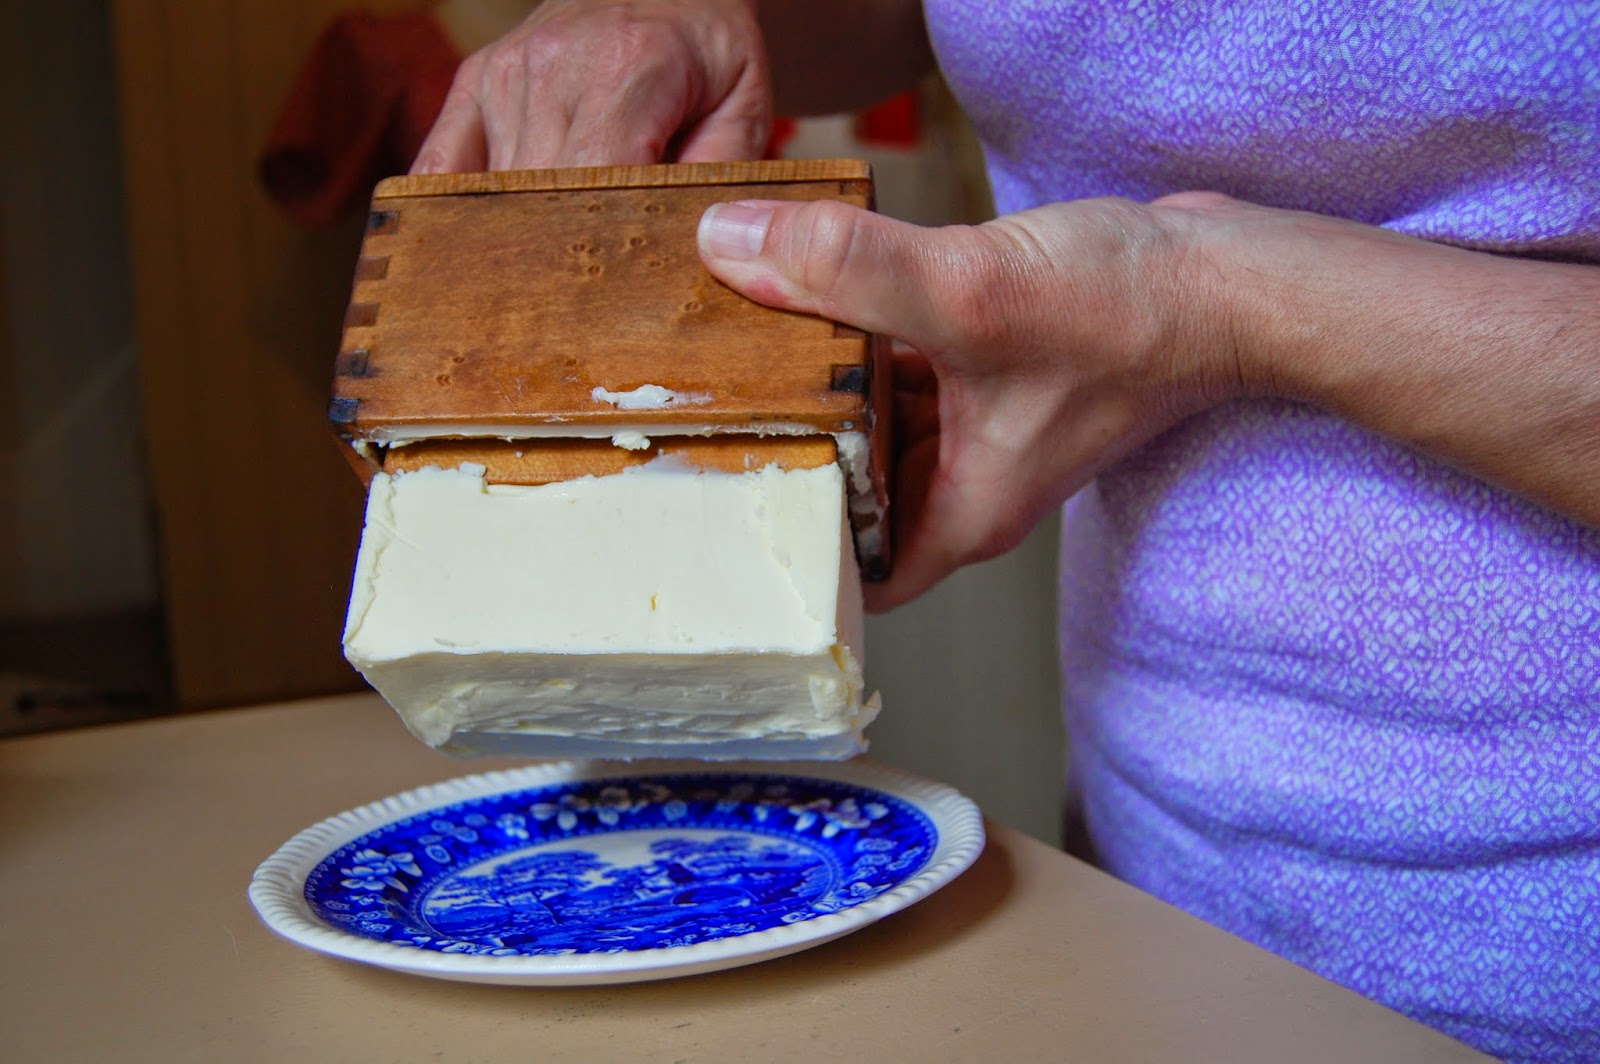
(277, 890)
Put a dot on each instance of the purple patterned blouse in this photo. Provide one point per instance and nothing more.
(1322, 691)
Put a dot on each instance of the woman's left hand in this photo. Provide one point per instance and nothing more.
(1047, 344)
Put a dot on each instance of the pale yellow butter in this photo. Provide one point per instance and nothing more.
(657, 612)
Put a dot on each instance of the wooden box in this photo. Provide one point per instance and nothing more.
(491, 311)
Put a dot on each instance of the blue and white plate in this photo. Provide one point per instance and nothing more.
(582, 873)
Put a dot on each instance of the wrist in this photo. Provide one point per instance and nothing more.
(1211, 324)
(1274, 288)
(1328, 311)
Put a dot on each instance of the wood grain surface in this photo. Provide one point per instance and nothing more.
(665, 175)
(505, 299)
(534, 462)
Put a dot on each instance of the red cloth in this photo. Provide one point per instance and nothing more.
(894, 123)
(783, 131)
(358, 112)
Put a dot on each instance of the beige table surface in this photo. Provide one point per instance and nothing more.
(126, 851)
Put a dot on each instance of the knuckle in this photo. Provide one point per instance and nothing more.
(429, 160)
(626, 41)
(825, 234)
(468, 73)
(502, 72)
(461, 99)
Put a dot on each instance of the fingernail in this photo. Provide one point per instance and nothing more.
(734, 231)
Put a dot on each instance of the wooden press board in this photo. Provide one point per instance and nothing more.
(494, 304)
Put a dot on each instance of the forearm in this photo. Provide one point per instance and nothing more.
(1488, 363)
(832, 56)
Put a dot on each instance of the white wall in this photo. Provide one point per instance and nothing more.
(968, 675)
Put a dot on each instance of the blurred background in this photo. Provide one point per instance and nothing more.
(179, 219)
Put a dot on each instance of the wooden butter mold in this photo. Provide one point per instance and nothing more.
(486, 310)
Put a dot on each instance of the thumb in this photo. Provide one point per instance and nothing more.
(841, 262)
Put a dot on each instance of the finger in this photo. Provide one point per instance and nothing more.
(733, 131)
(539, 137)
(530, 112)
(456, 143)
(844, 263)
(612, 138)
(929, 529)
(949, 514)
(631, 126)
(725, 140)
(511, 124)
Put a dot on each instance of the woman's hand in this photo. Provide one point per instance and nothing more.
(1046, 345)
(1049, 344)
(603, 82)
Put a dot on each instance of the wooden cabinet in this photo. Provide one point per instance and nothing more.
(238, 322)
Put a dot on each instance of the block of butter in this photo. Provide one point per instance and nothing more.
(659, 611)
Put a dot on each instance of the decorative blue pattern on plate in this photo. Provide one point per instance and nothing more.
(603, 866)
(573, 873)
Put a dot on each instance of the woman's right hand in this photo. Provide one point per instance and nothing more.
(602, 82)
